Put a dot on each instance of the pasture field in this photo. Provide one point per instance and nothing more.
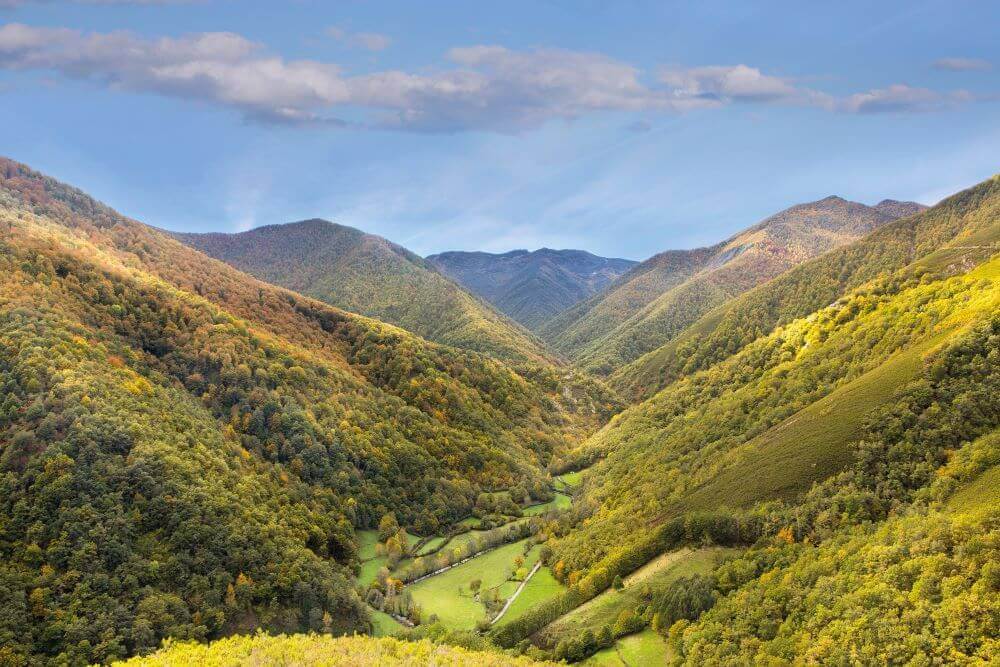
(568, 481)
(447, 595)
(540, 588)
(367, 539)
(638, 650)
(385, 625)
(370, 562)
(560, 502)
(432, 544)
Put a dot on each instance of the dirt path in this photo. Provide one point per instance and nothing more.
(513, 597)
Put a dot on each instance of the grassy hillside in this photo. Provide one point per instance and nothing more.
(867, 566)
(366, 274)
(532, 287)
(958, 232)
(186, 451)
(777, 416)
(616, 332)
(319, 650)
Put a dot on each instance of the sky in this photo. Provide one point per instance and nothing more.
(623, 128)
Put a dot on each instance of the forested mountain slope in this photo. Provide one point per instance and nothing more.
(781, 413)
(366, 274)
(778, 416)
(663, 296)
(532, 287)
(186, 451)
(925, 585)
(851, 452)
(966, 221)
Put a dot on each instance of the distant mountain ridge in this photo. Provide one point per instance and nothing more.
(532, 286)
(369, 275)
(662, 296)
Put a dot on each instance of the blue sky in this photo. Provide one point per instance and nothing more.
(623, 128)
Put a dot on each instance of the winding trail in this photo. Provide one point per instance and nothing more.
(513, 597)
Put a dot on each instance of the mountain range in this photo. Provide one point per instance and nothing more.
(369, 275)
(241, 443)
(531, 287)
(662, 296)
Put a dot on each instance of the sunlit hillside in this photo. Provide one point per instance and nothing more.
(660, 298)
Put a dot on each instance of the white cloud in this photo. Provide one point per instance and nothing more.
(727, 82)
(369, 41)
(741, 83)
(485, 88)
(900, 98)
(962, 64)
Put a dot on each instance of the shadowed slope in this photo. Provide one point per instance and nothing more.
(532, 287)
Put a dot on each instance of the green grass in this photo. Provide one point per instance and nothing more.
(384, 624)
(980, 496)
(367, 539)
(464, 538)
(540, 588)
(369, 570)
(432, 544)
(812, 444)
(560, 502)
(457, 609)
(605, 608)
(638, 650)
(370, 563)
(568, 481)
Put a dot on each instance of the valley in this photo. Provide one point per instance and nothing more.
(271, 443)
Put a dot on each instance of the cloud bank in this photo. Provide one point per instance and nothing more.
(483, 87)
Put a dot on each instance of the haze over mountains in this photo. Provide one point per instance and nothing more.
(532, 287)
(807, 469)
